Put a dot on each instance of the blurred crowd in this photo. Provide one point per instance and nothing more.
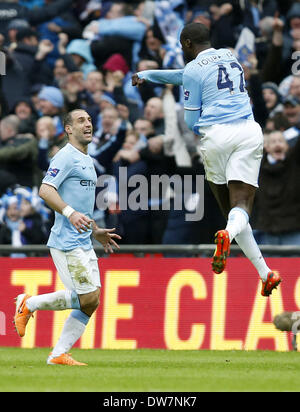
(63, 54)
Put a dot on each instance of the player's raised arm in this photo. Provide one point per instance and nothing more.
(192, 97)
(158, 76)
(50, 195)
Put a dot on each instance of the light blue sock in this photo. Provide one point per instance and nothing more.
(75, 303)
(248, 244)
(72, 331)
(81, 316)
(59, 300)
(237, 221)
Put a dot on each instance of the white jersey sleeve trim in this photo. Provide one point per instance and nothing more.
(50, 184)
(192, 108)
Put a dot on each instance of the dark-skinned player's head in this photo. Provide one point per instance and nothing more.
(194, 38)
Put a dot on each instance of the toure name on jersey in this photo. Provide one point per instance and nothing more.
(213, 59)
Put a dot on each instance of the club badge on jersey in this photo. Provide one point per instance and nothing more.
(186, 94)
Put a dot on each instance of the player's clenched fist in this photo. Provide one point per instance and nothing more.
(136, 81)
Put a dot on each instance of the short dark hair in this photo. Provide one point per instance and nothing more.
(198, 33)
(68, 117)
(26, 32)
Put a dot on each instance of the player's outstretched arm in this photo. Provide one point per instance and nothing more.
(50, 195)
(158, 76)
(105, 237)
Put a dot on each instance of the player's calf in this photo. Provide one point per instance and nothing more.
(89, 302)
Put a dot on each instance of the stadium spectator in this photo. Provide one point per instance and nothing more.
(76, 94)
(51, 103)
(254, 87)
(22, 215)
(108, 119)
(26, 65)
(18, 153)
(295, 87)
(291, 34)
(65, 23)
(151, 47)
(201, 15)
(23, 108)
(11, 10)
(143, 126)
(34, 97)
(10, 219)
(72, 88)
(154, 113)
(60, 72)
(49, 143)
(291, 109)
(225, 19)
(278, 203)
(103, 148)
(77, 55)
(178, 230)
(272, 98)
(94, 82)
(158, 163)
(31, 226)
(132, 224)
(117, 79)
(271, 52)
(277, 122)
(12, 30)
(148, 90)
(120, 31)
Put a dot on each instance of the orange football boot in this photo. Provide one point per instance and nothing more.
(222, 251)
(64, 359)
(271, 283)
(22, 314)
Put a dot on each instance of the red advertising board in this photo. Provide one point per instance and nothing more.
(156, 302)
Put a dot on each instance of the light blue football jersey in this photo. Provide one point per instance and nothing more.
(73, 174)
(214, 88)
(214, 85)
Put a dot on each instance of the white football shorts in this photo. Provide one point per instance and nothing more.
(232, 151)
(78, 269)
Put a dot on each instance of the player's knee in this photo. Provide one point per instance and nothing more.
(89, 303)
(95, 302)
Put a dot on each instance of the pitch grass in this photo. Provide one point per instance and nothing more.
(146, 370)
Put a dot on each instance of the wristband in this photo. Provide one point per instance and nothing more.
(67, 211)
